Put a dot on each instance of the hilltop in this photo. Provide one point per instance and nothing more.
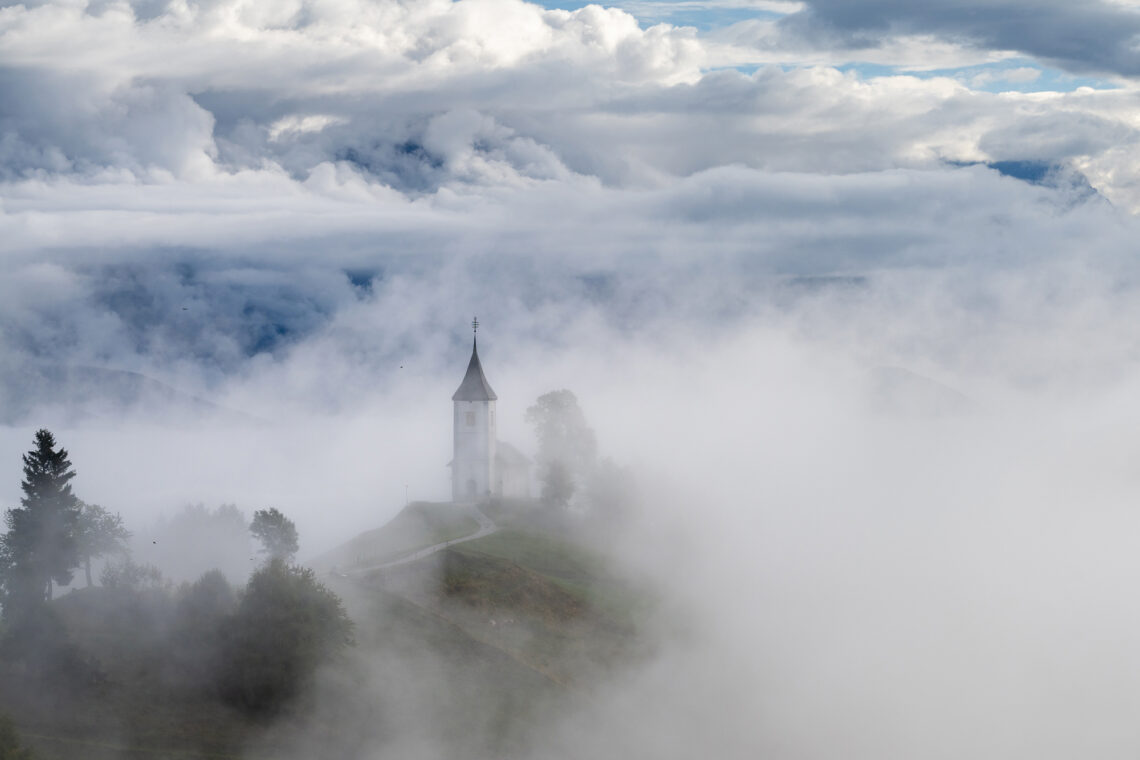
(532, 588)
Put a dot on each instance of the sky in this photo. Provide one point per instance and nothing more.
(851, 283)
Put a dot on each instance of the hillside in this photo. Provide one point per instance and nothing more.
(464, 651)
(81, 392)
(531, 589)
(417, 526)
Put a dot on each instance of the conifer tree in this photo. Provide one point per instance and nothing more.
(41, 545)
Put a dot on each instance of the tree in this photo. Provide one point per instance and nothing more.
(567, 448)
(557, 484)
(276, 532)
(41, 544)
(100, 533)
(286, 625)
(200, 624)
(128, 575)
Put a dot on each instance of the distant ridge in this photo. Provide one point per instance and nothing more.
(83, 392)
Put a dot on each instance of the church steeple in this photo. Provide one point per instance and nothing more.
(474, 386)
(473, 474)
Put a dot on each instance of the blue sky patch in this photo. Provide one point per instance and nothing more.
(1011, 75)
(704, 17)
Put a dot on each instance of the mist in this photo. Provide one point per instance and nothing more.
(848, 293)
(878, 523)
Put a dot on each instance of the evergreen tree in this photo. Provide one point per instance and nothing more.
(41, 545)
(276, 533)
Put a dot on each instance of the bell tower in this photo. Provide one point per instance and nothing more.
(475, 432)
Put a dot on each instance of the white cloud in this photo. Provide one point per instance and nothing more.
(1019, 75)
(293, 125)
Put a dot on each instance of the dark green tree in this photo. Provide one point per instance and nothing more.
(286, 625)
(276, 533)
(100, 534)
(41, 545)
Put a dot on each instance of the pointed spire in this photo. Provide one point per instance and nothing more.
(474, 386)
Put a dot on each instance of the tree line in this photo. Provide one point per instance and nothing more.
(254, 648)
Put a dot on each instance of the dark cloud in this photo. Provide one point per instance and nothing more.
(1094, 36)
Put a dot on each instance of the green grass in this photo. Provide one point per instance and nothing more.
(529, 516)
(584, 574)
(545, 600)
(419, 525)
(548, 555)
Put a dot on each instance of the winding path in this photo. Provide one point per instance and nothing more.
(486, 527)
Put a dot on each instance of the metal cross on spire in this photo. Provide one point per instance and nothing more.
(475, 324)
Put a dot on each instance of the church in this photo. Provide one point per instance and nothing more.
(482, 466)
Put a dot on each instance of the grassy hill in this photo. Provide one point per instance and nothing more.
(418, 525)
(534, 590)
(463, 651)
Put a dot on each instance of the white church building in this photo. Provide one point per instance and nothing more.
(482, 466)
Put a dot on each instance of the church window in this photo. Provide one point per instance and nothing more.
(471, 419)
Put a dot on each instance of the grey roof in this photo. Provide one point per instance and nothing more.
(474, 386)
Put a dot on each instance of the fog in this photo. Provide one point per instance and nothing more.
(850, 288)
(934, 565)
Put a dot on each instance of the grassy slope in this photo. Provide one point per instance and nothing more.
(534, 592)
(418, 525)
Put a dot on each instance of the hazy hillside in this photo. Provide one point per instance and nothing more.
(467, 650)
(419, 525)
(76, 393)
